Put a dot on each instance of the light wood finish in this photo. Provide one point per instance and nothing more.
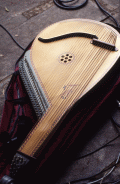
(65, 83)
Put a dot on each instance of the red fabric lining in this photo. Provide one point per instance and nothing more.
(65, 133)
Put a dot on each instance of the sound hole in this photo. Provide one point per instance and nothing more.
(66, 58)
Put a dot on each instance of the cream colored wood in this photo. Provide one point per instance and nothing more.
(66, 83)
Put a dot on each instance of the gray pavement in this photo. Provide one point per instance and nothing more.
(25, 19)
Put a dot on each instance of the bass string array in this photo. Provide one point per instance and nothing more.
(38, 99)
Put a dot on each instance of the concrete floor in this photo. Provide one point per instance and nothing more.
(25, 19)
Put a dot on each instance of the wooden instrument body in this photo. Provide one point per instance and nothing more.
(66, 81)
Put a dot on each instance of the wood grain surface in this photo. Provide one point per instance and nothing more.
(65, 81)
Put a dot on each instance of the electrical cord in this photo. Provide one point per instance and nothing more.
(11, 37)
(63, 4)
(105, 145)
(115, 122)
(112, 115)
(108, 172)
(111, 168)
(107, 13)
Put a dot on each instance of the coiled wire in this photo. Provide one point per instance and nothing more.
(66, 4)
(63, 4)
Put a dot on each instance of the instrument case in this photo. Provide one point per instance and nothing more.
(18, 111)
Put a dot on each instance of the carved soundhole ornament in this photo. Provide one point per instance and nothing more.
(66, 58)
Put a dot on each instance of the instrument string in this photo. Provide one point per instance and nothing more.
(77, 44)
(90, 61)
(41, 119)
(87, 71)
(47, 127)
(98, 55)
(102, 53)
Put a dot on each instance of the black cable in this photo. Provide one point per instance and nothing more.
(12, 37)
(115, 122)
(116, 182)
(93, 176)
(107, 13)
(110, 182)
(62, 4)
(107, 144)
(112, 115)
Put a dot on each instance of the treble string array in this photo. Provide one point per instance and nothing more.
(88, 68)
(85, 67)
